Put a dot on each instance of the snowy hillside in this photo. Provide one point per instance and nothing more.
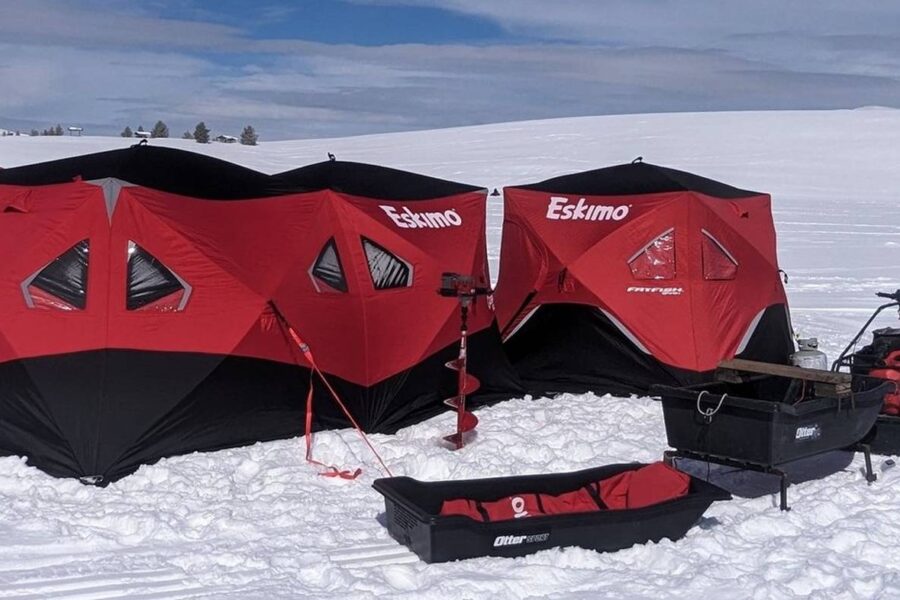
(258, 522)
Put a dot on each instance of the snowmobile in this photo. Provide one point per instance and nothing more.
(880, 359)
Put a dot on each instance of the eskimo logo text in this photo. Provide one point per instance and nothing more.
(408, 219)
(561, 209)
(515, 540)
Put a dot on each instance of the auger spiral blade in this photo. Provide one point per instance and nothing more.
(465, 421)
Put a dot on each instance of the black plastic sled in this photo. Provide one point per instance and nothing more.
(412, 511)
(717, 422)
(764, 431)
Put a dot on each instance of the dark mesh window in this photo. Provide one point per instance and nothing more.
(66, 277)
(327, 268)
(148, 279)
(388, 271)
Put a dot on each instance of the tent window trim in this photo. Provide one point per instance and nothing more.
(326, 286)
(648, 246)
(410, 272)
(721, 247)
(63, 303)
(186, 288)
(724, 251)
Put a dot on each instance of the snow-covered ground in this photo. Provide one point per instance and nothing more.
(257, 522)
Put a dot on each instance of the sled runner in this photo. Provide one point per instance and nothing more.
(413, 512)
(760, 416)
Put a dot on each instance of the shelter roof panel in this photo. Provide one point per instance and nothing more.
(164, 169)
(636, 178)
(368, 181)
(199, 176)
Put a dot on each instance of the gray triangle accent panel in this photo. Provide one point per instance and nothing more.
(111, 187)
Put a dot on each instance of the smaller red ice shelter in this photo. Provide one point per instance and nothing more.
(622, 277)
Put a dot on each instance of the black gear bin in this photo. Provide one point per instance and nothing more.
(413, 516)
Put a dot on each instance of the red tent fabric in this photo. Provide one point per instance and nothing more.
(146, 293)
(619, 278)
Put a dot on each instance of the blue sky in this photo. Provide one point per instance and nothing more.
(338, 22)
(319, 68)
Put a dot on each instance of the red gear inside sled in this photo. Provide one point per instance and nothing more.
(645, 486)
(891, 372)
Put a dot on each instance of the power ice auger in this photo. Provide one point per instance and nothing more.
(464, 288)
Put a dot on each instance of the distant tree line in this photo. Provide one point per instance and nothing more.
(201, 133)
(58, 130)
(160, 130)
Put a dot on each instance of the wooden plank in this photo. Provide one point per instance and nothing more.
(752, 366)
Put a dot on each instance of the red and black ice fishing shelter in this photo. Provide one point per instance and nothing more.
(146, 296)
(622, 277)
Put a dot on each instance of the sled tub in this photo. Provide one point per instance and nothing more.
(412, 516)
(747, 426)
(765, 432)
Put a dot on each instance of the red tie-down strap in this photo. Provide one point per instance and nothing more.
(330, 470)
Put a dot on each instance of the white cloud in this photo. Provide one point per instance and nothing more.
(679, 23)
(87, 24)
(76, 82)
(123, 65)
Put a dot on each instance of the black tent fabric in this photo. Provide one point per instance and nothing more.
(370, 181)
(635, 179)
(199, 176)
